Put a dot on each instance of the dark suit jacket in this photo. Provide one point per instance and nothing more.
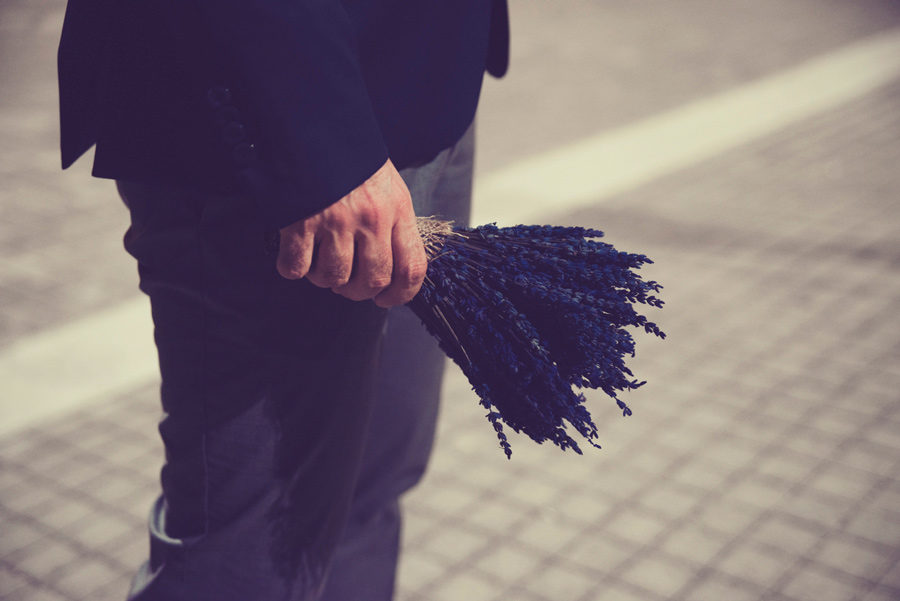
(294, 102)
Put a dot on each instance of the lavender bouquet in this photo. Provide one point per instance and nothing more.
(531, 313)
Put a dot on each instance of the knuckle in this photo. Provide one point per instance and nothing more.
(371, 218)
(412, 274)
(290, 268)
(419, 269)
(293, 250)
(378, 281)
(332, 269)
(335, 220)
(324, 278)
(291, 273)
(334, 278)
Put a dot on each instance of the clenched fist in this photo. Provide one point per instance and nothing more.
(364, 246)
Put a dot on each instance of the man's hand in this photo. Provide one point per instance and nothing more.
(366, 245)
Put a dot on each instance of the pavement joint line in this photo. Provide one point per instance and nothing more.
(85, 361)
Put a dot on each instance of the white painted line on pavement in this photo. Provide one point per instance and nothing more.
(92, 358)
(612, 162)
(64, 368)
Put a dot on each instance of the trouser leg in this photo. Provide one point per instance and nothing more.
(266, 388)
(405, 409)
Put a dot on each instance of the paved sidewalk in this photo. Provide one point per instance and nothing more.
(762, 462)
(763, 458)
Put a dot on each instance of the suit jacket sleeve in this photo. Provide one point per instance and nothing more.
(318, 137)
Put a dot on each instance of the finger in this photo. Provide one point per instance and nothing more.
(410, 264)
(333, 261)
(294, 254)
(372, 269)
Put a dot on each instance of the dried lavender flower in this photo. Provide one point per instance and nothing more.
(532, 313)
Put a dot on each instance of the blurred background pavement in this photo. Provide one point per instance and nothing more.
(750, 147)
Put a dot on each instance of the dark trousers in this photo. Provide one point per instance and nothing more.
(293, 418)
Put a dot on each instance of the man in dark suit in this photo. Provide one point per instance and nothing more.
(324, 126)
